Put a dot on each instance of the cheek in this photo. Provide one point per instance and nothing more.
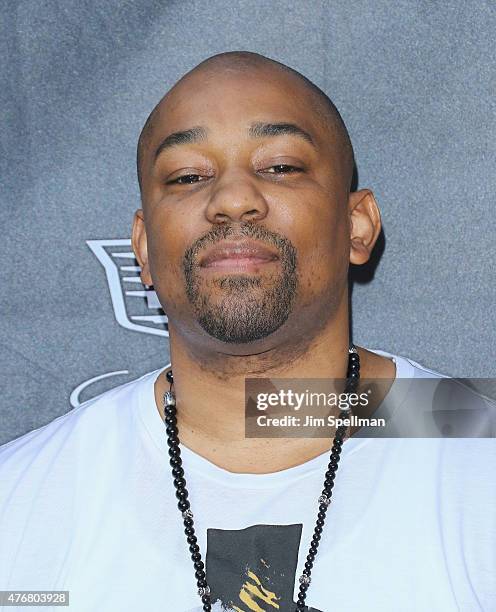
(324, 251)
(166, 248)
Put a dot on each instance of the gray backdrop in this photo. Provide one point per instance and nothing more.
(414, 81)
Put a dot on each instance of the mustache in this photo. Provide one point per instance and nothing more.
(242, 230)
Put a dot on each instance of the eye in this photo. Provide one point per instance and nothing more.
(186, 179)
(282, 169)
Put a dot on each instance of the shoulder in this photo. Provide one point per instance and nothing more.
(429, 403)
(406, 367)
(444, 431)
(82, 430)
(62, 473)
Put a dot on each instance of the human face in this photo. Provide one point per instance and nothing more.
(243, 159)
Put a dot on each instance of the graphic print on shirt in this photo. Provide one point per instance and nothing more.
(253, 569)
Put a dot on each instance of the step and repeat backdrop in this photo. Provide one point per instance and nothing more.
(414, 82)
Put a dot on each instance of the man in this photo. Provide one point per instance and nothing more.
(247, 230)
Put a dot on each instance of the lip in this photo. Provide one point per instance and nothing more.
(243, 253)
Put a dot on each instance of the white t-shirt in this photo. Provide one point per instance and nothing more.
(87, 505)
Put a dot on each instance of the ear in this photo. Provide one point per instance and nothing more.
(139, 243)
(365, 225)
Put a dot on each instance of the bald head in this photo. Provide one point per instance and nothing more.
(245, 63)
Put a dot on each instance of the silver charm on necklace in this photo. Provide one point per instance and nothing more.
(202, 591)
(305, 579)
(169, 399)
(323, 499)
(345, 408)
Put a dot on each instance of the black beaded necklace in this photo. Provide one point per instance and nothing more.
(170, 419)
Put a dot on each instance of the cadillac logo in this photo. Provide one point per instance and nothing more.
(135, 306)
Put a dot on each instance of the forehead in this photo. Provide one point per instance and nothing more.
(227, 99)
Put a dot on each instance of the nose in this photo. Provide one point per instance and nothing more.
(236, 197)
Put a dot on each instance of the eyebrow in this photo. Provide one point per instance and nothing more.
(261, 130)
(191, 136)
(256, 130)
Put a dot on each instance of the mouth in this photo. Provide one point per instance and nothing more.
(238, 264)
(242, 256)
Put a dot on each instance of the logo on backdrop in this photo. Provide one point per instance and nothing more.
(135, 305)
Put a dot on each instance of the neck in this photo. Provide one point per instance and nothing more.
(210, 396)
